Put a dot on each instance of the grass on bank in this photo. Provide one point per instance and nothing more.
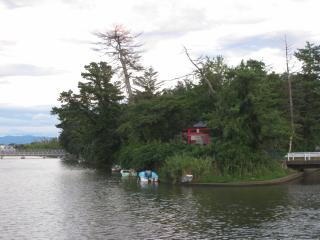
(210, 178)
(174, 160)
(207, 170)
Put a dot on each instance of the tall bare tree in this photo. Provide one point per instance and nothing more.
(121, 46)
(290, 94)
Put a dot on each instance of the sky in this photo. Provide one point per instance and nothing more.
(44, 44)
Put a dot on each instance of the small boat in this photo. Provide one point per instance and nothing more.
(128, 173)
(186, 178)
(116, 168)
(148, 177)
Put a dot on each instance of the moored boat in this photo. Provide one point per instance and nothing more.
(116, 169)
(148, 177)
(128, 173)
(186, 178)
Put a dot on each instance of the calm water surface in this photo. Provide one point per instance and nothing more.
(46, 199)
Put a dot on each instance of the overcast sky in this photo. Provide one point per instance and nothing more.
(44, 44)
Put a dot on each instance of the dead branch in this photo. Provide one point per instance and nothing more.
(200, 71)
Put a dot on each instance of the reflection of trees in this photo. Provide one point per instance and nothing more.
(196, 212)
(233, 208)
(311, 178)
(162, 211)
(306, 194)
(119, 208)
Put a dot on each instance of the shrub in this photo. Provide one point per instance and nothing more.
(180, 164)
(153, 155)
(149, 155)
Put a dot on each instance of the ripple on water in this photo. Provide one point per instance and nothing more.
(44, 199)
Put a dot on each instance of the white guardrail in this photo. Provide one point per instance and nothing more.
(305, 155)
(32, 153)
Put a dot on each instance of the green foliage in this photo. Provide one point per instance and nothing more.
(148, 84)
(158, 119)
(89, 119)
(310, 58)
(180, 164)
(214, 69)
(163, 117)
(149, 155)
(153, 155)
(306, 99)
(260, 172)
(248, 122)
(52, 143)
(247, 112)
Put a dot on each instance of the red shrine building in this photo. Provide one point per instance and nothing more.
(198, 134)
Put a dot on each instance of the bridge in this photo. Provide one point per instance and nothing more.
(54, 153)
(303, 160)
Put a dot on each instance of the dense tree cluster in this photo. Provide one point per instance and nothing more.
(246, 108)
(89, 119)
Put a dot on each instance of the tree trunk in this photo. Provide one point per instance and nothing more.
(290, 97)
(125, 72)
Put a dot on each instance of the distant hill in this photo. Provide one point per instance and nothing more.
(21, 139)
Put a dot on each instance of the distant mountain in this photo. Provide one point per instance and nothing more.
(21, 139)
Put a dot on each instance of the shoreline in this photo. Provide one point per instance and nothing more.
(276, 181)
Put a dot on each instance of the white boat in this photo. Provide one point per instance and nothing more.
(186, 178)
(128, 173)
(116, 168)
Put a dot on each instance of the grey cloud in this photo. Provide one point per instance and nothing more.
(8, 110)
(244, 20)
(9, 4)
(76, 41)
(245, 45)
(9, 70)
(165, 34)
(35, 120)
(13, 4)
(5, 44)
(4, 82)
(270, 40)
(181, 20)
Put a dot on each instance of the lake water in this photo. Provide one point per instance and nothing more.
(47, 199)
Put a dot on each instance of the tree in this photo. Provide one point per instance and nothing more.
(306, 98)
(310, 58)
(72, 121)
(148, 83)
(89, 119)
(121, 47)
(200, 71)
(248, 125)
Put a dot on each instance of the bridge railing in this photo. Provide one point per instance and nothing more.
(302, 155)
(33, 152)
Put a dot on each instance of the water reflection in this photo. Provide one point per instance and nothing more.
(47, 199)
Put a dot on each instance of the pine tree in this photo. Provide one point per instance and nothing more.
(148, 83)
(89, 119)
